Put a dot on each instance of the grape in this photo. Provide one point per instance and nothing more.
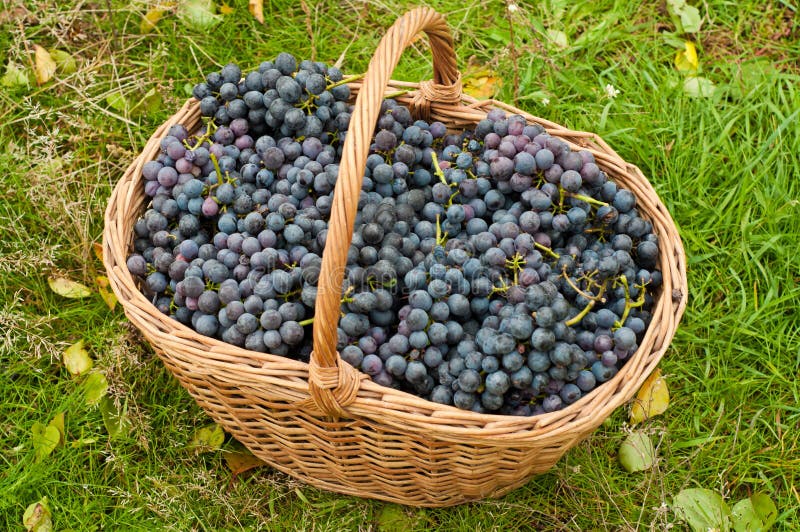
(430, 264)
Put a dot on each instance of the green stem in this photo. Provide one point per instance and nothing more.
(216, 167)
(587, 199)
(345, 80)
(547, 250)
(582, 314)
(309, 321)
(437, 170)
(395, 94)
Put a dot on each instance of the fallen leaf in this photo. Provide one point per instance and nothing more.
(225, 9)
(65, 63)
(557, 37)
(256, 8)
(117, 100)
(207, 439)
(58, 423)
(480, 82)
(698, 87)
(115, 418)
(690, 19)
(68, 288)
(97, 247)
(45, 439)
(15, 77)
(108, 296)
(150, 19)
(44, 66)
(637, 452)
(240, 460)
(754, 514)
(37, 517)
(686, 59)
(94, 388)
(702, 509)
(76, 359)
(149, 104)
(198, 15)
(652, 399)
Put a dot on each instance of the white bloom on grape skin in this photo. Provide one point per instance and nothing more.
(611, 92)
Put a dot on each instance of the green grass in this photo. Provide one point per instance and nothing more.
(726, 167)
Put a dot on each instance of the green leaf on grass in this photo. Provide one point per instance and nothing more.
(637, 452)
(207, 439)
(58, 423)
(198, 15)
(45, 439)
(76, 359)
(68, 288)
(37, 517)
(698, 87)
(94, 388)
(15, 77)
(690, 19)
(702, 509)
(117, 100)
(557, 37)
(754, 514)
(65, 63)
(115, 417)
(687, 18)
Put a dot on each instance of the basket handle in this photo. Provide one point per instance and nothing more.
(332, 383)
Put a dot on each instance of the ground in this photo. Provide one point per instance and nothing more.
(725, 165)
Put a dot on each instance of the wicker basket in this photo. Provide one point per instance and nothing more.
(324, 422)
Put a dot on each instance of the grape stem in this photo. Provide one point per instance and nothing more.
(628, 303)
(441, 239)
(592, 300)
(437, 170)
(573, 285)
(345, 80)
(395, 94)
(309, 321)
(547, 250)
(587, 199)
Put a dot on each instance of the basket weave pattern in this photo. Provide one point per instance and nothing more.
(326, 423)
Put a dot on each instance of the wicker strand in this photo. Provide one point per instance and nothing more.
(430, 91)
(348, 187)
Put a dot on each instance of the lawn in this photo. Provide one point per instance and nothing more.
(724, 161)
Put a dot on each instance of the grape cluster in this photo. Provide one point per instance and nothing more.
(495, 269)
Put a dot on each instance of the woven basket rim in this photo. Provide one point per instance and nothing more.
(488, 423)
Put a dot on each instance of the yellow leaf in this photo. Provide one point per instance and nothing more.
(652, 399)
(150, 19)
(68, 288)
(480, 82)
(225, 9)
(257, 9)
(97, 247)
(241, 461)
(108, 296)
(76, 359)
(45, 67)
(686, 59)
